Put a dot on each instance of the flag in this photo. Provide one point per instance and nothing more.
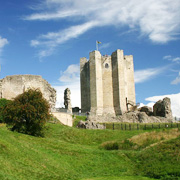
(98, 42)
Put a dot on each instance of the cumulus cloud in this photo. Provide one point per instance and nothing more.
(141, 76)
(175, 103)
(71, 74)
(3, 42)
(177, 80)
(157, 20)
(69, 79)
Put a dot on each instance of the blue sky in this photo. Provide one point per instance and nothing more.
(48, 38)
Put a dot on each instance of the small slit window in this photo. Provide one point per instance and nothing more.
(106, 65)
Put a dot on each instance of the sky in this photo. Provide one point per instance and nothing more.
(48, 38)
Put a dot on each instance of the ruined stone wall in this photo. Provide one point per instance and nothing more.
(85, 85)
(11, 86)
(111, 83)
(108, 103)
(96, 86)
(119, 81)
(130, 78)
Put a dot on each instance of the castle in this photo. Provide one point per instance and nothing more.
(107, 83)
(11, 86)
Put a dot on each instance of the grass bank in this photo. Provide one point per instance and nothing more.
(69, 153)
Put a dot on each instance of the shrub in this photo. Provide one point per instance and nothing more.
(27, 113)
(3, 103)
(110, 145)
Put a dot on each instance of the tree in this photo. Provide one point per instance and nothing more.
(3, 103)
(27, 113)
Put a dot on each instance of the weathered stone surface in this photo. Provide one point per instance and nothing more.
(147, 110)
(64, 118)
(163, 108)
(107, 83)
(11, 86)
(162, 114)
(67, 100)
(142, 117)
(90, 125)
(132, 117)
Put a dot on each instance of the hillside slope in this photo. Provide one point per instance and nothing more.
(67, 153)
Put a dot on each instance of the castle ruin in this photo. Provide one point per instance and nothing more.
(12, 86)
(107, 83)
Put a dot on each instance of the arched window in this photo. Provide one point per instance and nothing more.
(106, 65)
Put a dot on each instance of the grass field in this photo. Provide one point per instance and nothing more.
(69, 153)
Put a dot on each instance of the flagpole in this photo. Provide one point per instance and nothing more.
(97, 42)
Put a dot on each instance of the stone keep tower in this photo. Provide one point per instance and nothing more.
(107, 83)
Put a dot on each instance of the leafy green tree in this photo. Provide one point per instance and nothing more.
(27, 113)
(3, 103)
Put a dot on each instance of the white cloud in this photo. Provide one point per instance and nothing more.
(176, 59)
(141, 76)
(34, 43)
(158, 20)
(51, 40)
(104, 45)
(70, 79)
(168, 57)
(71, 74)
(177, 80)
(3, 42)
(175, 102)
(171, 58)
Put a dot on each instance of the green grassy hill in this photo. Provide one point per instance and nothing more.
(71, 153)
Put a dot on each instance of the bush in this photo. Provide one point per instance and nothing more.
(109, 145)
(3, 103)
(28, 113)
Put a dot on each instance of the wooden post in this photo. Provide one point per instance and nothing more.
(121, 127)
(113, 126)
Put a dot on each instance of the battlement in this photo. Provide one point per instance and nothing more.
(107, 82)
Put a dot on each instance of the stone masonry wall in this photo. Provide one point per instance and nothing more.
(108, 103)
(11, 86)
(85, 85)
(107, 85)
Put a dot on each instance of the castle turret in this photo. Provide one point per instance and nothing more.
(85, 85)
(119, 83)
(131, 98)
(96, 88)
